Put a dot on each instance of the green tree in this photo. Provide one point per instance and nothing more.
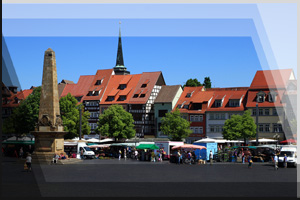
(116, 122)
(207, 82)
(69, 111)
(175, 126)
(24, 117)
(192, 83)
(239, 127)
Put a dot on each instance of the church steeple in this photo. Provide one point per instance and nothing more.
(120, 69)
(120, 61)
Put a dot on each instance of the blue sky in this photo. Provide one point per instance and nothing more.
(228, 61)
(227, 42)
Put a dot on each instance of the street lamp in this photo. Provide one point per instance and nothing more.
(276, 137)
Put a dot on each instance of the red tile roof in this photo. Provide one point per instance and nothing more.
(266, 79)
(228, 94)
(251, 100)
(113, 92)
(151, 78)
(128, 91)
(21, 95)
(126, 79)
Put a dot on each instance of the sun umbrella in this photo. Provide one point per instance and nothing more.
(206, 140)
(147, 146)
(288, 141)
(189, 146)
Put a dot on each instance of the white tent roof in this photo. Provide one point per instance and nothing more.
(206, 140)
(264, 140)
(106, 140)
(14, 138)
(93, 140)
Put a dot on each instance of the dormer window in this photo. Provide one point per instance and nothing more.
(144, 85)
(90, 93)
(16, 100)
(122, 98)
(272, 96)
(218, 103)
(188, 95)
(110, 98)
(122, 86)
(142, 95)
(234, 102)
(96, 93)
(260, 97)
(99, 82)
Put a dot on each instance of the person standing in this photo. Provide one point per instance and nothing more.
(120, 153)
(285, 161)
(276, 162)
(136, 154)
(28, 162)
(125, 154)
(81, 153)
(243, 157)
(211, 156)
(21, 152)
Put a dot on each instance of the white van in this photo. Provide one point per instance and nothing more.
(291, 153)
(75, 147)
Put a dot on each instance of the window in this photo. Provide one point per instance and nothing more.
(261, 128)
(122, 86)
(260, 97)
(222, 116)
(110, 98)
(98, 82)
(211, 116)
(188, 95)
(267, 127)
(212, 129)
(272, 96)
(274, 111)
(277, 128)
(267, 111)
(254, 111)
(135, 96)
(159, 125)
(217, 116)
(144, 85)
(142, 95)
(234, 103)
(184, 117)
(201, 118)
(192, 118)
(186, 106)
(162, 113)
(122, 98)
(260, 111)
(218, 103)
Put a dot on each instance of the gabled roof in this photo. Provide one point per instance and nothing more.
(104, 75)
(228, 95)
(266, 79)
(21, 95)
(113, 85)
(167, 93)
(202, 96)
(79, 89)
(151, 79)
(189, 90)
(251, 100)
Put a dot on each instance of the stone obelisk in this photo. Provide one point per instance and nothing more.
(49, 133)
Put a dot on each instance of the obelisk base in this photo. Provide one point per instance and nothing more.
(47, 144)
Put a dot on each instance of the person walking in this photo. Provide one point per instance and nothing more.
(81, 153)
(250, 162)
(120, 153)
(125, 154)
(276, 162)
(28, 162)
(179, 155)
(211, 156)
(285, 161)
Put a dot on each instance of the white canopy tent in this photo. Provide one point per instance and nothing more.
(206, 140)
(264, 140)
